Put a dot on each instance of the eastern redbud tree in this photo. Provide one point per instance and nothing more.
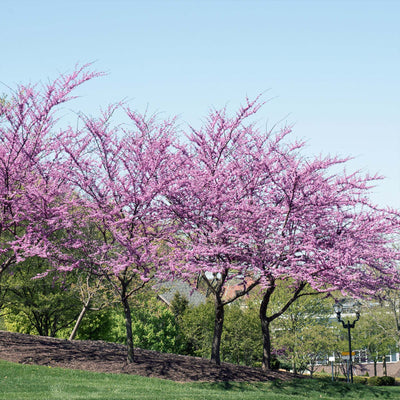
(251, 207)
(211, 203)
(32, 191)
(328, 237)
(232, 204)
(118, 173)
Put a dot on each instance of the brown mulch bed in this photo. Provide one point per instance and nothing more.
(101, 356)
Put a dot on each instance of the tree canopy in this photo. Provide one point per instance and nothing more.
(231, 203)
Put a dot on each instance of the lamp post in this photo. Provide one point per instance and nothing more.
(354, 307)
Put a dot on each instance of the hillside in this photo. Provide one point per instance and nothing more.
(110, 357)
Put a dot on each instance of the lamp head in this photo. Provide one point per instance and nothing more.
(338, 307)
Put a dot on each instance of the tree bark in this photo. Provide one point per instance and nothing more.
(266, 321)
(128, 326)
(267, 356)
(384, 366)
(218, 327)
(217, 289)
(265, 328)
(79, 320)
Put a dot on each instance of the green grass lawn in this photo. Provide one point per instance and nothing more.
(19, 382)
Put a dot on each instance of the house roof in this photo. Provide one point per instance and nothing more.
(169, 289)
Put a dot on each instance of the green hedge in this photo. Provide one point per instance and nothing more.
(381, 381)
(360, 379)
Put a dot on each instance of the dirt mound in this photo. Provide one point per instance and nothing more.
(101, 356)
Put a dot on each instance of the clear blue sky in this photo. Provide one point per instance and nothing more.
(331, 68)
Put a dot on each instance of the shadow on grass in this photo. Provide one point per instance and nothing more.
(309, 388)
(232, 386)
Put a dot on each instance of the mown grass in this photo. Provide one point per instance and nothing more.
(19, 382)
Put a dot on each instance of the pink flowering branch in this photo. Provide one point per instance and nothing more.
(31, 189)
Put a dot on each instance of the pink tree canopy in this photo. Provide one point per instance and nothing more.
(32, 191)
(233, 204)
(216, 204)
(118, 173)
(325, 230)
(316, 227)
(248, 206)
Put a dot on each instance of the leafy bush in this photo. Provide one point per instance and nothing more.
(196, 324)
(242, 337)
(46, 306)
(381, 381)
(373, 381)
(107, 324)
(388, 381)
(275, 363)
(155, 327)
(283, 364)
(360, 379)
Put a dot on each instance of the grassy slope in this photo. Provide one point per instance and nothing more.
(19, 382)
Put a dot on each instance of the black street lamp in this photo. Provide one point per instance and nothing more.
(355, 308)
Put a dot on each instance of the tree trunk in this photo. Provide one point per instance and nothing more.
(128, 326)
(266, 321)
(375, 371)
(79, 320)
(265, 328)
(384, 366)
(267, 356)
(218, 327)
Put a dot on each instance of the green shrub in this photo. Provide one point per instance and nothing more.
(373, 381)
(360, 379)
(107, 324)
(275, 363)
(387, 381)
(381, 381)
